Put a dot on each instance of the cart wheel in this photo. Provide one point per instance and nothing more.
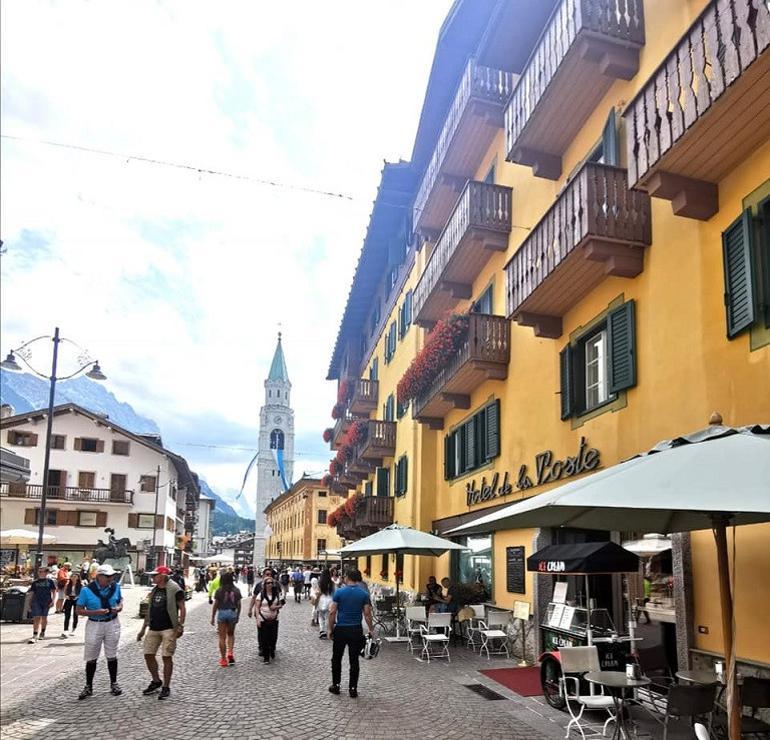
(550, 673)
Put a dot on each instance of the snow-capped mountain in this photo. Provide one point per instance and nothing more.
(26, 392)
(242, 505)
(221, 504)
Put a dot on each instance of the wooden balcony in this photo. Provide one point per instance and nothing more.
(479, 225)
(597, 227)
(380, 441)
(704, 110)
(339, 430)
(483, 356)
(473, 119)
(365, 396)
(586, 45)
(347, 529)
(373, 514)
(62, 493)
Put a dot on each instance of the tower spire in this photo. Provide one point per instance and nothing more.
(278, 370)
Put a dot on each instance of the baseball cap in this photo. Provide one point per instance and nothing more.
(105, 570)
(161, 570)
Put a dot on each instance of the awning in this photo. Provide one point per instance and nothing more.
(586, 558)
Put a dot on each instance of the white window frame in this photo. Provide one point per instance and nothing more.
(598, 359)
(144, 518)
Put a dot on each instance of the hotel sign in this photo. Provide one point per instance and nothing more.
(547, 470)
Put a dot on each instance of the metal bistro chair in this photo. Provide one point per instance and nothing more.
(494, 633)
(755, 694)
(385, 615)
(436, 633)
(689, 701)
(473, 626)
(575, 663)
(415, 619)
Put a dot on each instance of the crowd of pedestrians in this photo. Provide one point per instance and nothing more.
(338, 609)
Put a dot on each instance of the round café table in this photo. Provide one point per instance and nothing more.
(703, 678)
(619, 685)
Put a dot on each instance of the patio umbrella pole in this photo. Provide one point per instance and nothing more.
(719, 522)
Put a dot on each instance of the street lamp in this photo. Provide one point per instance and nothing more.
(95, 373)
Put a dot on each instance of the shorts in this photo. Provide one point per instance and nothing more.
(60, 594)
(36, 609)
(164, 639)
(100, 634)
(227, 615)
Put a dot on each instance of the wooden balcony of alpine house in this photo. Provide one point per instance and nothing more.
(378, 441)
(597, 227)
(479, 350)
(373, 513)
(474, 117)
(364, 398)
(67, 493)
(585, 46)
(479, 225)
(704, 110)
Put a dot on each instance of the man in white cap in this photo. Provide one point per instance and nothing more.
(101, 601)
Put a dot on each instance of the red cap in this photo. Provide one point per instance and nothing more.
(163, 570)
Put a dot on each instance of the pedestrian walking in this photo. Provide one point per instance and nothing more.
(178, 578)
(71, 593)
(43, 590)
(62, 578)
(226, 611)
(101, 601)
(326, 590)
(284, 580)
(307, 577)
(163, 625)
(250, 577)
(214, 585)
(298, 584)
(266, 608)
(350, 604)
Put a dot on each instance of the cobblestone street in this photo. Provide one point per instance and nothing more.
(399, 696)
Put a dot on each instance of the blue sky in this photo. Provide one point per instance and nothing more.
(177, 281)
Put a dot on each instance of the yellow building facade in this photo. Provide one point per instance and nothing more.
(585, 225)
(297, 520)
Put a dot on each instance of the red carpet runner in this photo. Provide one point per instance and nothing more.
(524, 681)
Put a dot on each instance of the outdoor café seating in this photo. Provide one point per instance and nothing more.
(416, 618)
(755, 695)
(494, 634)
(473, 626)
(435, 637)
(689, 701)
(575, 663)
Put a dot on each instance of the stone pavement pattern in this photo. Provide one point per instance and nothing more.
(399, 696)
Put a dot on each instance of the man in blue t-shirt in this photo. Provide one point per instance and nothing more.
(349, 607)
(42, 590)
(101, 601)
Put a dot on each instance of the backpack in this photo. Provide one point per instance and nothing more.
(61, 578)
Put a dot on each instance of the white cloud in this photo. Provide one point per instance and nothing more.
(177, 281)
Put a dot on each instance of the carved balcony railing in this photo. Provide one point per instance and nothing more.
(585, 46)
(597, 227)
(365, 395)
(473, 119)
(479, 225)
(484, 355)
(339, 430)
(379, 441)
(347, 529)
(373, 513)
(67, 493)
(705, 109)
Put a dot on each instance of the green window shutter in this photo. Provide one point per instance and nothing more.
(621, 338)
(368, 488)
(400, 322)
(470, 445)
(404, 474)
(493, 429)
(407, 310)
(739, 277)
(566, 382)
(449, 457)
(383, 481)
(610, 142)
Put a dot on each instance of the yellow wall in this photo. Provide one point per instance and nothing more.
(686, 367)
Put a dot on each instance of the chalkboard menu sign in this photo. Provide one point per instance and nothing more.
(515, 570)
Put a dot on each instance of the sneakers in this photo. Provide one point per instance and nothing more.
(230, 659)
(32, 640)
(152, 687)
(322, 636)
(353, 692)
(72, 633)
(86, 692)
(63, 636)
(41, 636)
(223, 662)
(334, 688)
(165, 692)
(115, 689)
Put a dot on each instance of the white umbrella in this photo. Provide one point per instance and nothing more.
(218, 559)
(710, 479)
(400, 540)
(23, 537)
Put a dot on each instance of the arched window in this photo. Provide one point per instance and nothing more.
(276, 439)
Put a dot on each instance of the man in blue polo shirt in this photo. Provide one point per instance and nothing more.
(101, 601)
(349, 607)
